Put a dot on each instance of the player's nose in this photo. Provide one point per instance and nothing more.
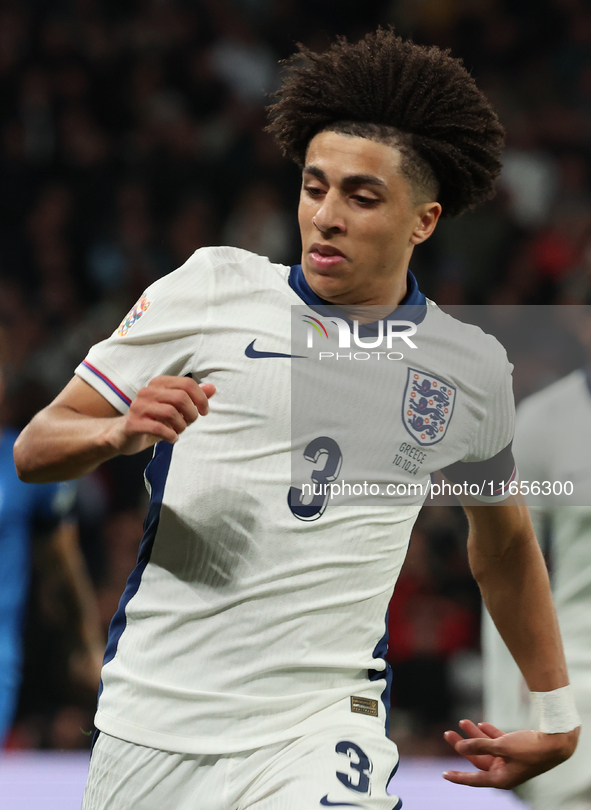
(329, 216)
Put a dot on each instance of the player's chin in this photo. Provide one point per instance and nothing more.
(329, 284)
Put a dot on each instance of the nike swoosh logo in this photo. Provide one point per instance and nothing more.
(250, 351)
(325, 802)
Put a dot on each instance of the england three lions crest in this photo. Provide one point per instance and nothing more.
(427, 406)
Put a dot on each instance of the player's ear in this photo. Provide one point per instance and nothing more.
(427, 217)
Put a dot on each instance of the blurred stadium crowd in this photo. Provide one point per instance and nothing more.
(132, 134)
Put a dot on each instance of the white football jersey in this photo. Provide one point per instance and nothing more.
(548, 446)
(248, 620)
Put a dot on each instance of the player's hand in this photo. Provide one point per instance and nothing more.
(507, 760)
(161, 410)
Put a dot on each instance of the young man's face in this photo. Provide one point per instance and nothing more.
(357, 220)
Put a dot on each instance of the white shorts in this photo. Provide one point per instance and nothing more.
(344, 766)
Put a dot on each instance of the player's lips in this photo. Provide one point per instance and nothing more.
(326, 256)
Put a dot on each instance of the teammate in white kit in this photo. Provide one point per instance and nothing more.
(245, 666)
(548, 448)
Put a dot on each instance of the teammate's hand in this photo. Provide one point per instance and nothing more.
(507, 760)
(161, 410)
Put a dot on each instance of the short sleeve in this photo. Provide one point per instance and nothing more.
(497, 427)
(160, 335)
(489, 464)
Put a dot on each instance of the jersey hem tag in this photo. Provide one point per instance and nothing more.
(362, 705)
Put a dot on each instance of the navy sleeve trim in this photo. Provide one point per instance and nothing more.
(499, 471)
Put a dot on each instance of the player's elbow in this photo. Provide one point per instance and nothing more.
(511, 557)
(22, 463)
(28, 459)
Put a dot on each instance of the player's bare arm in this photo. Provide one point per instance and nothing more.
(86, 661)
(80, 429)
(508, 565)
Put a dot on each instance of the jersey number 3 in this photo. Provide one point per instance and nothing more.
(359, 762)
(321, 479)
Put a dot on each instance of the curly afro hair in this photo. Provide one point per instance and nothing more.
(416, 98)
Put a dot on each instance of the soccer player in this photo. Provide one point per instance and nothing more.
(245, 666)
(21, 508)
(24, 509)
(550, 449)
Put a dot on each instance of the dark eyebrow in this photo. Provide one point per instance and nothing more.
(363, 180)
(350, 180)
(315, 171)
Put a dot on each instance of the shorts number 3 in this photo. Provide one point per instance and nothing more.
(359, 764)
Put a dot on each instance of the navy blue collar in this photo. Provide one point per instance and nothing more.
(414, 302)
